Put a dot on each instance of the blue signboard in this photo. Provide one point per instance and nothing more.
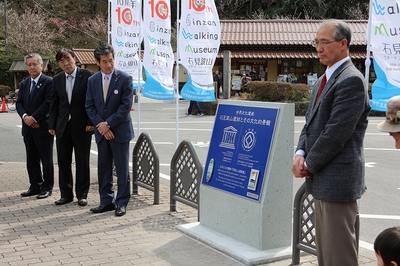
(239, 149)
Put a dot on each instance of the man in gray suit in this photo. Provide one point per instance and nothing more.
(330, 149)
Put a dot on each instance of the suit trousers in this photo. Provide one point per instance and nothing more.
(80, 142)
(110, 151)
(40, 150)
(335, 233)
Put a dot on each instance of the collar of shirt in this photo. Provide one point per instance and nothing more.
(73, 74)
(329, 71)
(108, 75)
(36, 79)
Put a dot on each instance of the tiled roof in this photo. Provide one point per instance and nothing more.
(281, 32)
(18, 65)
(262, 35)
(279, 54)
(85, 56)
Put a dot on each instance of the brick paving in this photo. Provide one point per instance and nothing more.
(36, 232)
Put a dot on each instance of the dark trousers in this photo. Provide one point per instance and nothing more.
(196, 105)
(111, 151)
(40, 150)
(80, 142)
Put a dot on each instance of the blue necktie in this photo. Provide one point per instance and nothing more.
(33, 84)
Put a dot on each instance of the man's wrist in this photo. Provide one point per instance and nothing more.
(107, 125)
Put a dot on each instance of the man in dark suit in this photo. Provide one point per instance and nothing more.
(330, 150)
(108, 104)
(72, 127)
(33, 107)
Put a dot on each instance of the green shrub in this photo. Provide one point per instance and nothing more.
(272, 91)
(4, 90)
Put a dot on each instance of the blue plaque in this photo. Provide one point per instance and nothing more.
(239, 149)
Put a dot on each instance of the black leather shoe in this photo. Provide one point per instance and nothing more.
(82, 202)
(29, 193)
(62, 201)
(103, 208)
(43, 194)
(120, 211)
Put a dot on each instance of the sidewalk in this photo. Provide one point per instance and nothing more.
(36, 232)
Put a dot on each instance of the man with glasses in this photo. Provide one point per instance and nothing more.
(33, 105)
(72, 127)
(330, 150)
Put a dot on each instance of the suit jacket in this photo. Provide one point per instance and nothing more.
(37, 104)
(333, 136)
(116, 110)
(60, 108)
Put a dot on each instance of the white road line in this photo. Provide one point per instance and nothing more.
(376, 216)
(366, 245)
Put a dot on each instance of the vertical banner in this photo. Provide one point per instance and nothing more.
(126, 21)
(199, 40)
(384, 40)
(158, 58)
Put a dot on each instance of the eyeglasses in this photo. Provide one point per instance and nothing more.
(65, 60)
(321, 44)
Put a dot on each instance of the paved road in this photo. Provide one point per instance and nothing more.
(379, 206)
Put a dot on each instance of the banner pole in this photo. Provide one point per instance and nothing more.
(368, 58)
(177, 61)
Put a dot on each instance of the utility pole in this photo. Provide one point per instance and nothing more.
(5, 27)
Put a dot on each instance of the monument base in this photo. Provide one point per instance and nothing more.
(232, 247)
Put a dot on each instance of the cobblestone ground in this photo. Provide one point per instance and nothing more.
(36, 232)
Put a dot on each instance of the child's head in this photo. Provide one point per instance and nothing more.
(387, 247)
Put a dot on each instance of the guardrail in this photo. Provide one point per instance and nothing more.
(186, 171)
(146, 167)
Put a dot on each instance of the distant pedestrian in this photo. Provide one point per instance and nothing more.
(197, 106)
(243, 82)
(217, 81)
(387, 247)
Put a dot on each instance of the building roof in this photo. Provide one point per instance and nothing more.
(18, 65)
(85, 56)
(282, 32)
(295, 35)
(279, 54)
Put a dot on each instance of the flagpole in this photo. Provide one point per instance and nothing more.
(108, 22)
(138, 91)
(368, 59)
(177, 75)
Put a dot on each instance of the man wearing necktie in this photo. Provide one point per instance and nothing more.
(72, 127)
(33, 105)
(108, 103)
(330, 152)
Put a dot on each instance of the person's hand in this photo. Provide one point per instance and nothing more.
(102, 128)
(52, 132)
(299, 169)
(28, 120)
(109, 135)
(35, 125)
(89, 128)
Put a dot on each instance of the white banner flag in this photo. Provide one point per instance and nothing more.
(198, 46)
(384, 40)
(126, 21)
(158, 60)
